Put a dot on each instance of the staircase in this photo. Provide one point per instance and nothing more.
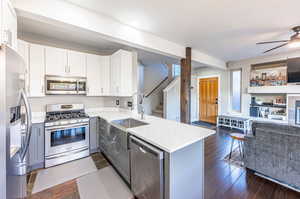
(159, 110)
(156, 95)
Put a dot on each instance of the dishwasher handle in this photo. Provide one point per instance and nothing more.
(146, 148)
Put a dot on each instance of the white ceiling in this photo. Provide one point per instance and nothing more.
(227, 29)
(79, 39)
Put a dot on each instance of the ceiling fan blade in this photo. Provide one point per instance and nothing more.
(276, 47)
(270, 42)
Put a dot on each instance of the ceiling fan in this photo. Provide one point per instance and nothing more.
(294, 40)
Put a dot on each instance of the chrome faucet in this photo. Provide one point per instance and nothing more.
(141, 98)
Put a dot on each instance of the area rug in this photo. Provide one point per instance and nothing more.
(235, 159)
(103, 184)
(52, 176)
(204, 124)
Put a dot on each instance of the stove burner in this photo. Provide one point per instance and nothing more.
(54, 116)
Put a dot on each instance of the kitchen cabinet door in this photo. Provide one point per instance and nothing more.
(23, 50)
(56, 61)
(76, 64)
(36, 70)
(105, 76)
(9, 25)
(126, 86)
(93, 74)
(36, 150)
(94, 134)
(122, 73)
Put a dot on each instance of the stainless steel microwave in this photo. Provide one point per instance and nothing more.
(57, 85)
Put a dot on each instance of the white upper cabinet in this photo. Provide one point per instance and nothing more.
(61, 62)
(23, 50)
(93, 71)
(122, 73)
(76, 64)
(98, 75)
(36, 70)
(9, 24)
(105, 76)
(56, 61)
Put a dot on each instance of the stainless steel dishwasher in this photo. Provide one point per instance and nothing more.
(147, 171)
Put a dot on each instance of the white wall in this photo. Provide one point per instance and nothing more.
(172, 100)
(245, 65)
(224, 88)
(153, 75)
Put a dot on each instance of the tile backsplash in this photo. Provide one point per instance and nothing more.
(39, 104)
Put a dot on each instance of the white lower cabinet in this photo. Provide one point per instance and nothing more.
(98, 75)
(36, 70)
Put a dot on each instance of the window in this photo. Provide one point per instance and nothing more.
(176, 70)
(236, 81)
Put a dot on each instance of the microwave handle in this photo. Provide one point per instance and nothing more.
(77, 86)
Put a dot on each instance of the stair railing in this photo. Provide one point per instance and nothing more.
(156, 87)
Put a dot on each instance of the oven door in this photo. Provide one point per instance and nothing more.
(67, 138)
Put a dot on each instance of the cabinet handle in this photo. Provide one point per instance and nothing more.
(8, 37)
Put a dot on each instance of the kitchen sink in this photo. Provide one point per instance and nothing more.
(129, 123)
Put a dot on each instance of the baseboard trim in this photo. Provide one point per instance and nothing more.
(278, 182)
(40, 165)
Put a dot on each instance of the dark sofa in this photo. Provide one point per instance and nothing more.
(274, 151)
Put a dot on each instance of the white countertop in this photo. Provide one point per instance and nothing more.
(38, 117)
(13, 150)
(167, 135)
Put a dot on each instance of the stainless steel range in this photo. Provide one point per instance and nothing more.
(66, 133)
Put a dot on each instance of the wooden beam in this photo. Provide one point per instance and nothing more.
(185, 87)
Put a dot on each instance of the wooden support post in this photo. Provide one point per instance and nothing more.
(185, 87)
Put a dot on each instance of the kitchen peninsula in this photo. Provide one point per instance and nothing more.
(182, 146)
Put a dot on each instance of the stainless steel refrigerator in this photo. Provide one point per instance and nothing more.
(15, 113)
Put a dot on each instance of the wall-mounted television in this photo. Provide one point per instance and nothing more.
(293, 70)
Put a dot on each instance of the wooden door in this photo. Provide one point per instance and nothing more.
(208, 103)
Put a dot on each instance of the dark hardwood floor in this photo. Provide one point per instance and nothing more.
(226, 181)
(222, 180)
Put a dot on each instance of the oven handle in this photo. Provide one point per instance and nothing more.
(67, 154)
(66, 126)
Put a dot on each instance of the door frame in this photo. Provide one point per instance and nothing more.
(219, 91)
